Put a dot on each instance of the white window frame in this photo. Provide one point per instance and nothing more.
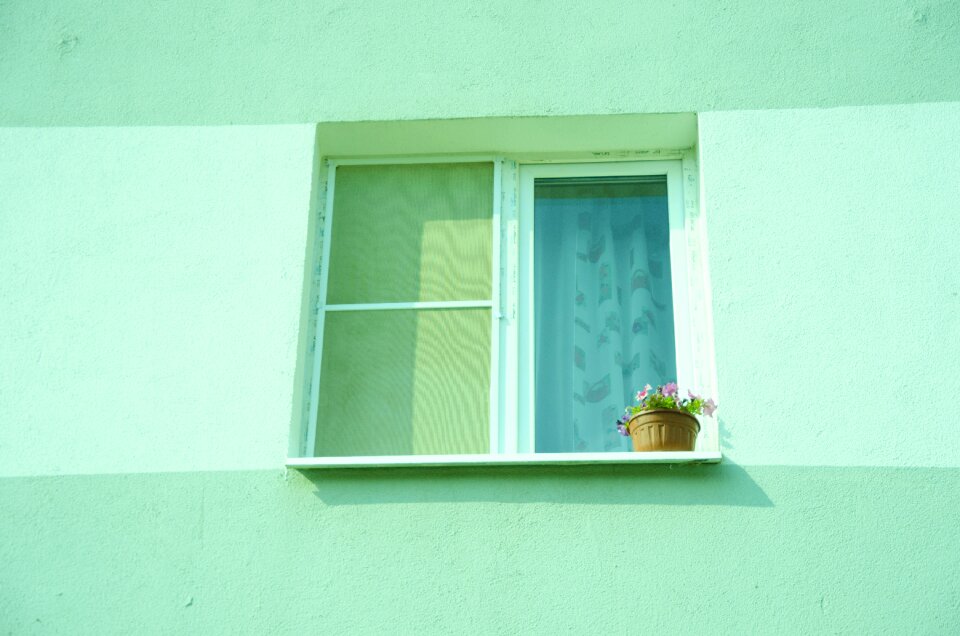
(512, 417)
(522, 429)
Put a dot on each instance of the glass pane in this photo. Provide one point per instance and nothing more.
(407, 233)
(603, 306)
(405, 382)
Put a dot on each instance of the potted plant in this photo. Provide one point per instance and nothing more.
(663, 421)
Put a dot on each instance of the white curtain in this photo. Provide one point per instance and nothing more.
(604, 313)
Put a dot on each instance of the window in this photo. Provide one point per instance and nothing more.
(483, 310)
(607, 246)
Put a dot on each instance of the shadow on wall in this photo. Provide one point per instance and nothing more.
(664, 485)
(726, 438)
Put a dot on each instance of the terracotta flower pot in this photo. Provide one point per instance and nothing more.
(663, 430)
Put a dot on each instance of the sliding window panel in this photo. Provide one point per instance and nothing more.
(411, 233)
(405, 382)
(604, 321)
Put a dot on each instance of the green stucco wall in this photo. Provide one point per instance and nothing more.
(109, 62)
(152, 284)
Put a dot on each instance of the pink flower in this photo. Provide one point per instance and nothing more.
(670, 388)
(709, 407)
(692, 395)
(644, 393)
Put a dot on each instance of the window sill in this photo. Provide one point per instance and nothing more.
(668, 457)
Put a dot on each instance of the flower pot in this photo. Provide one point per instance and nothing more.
(663, 430)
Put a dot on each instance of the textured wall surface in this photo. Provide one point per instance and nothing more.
(151, 286)
(109, 62)
(692, 550)
(836, 280)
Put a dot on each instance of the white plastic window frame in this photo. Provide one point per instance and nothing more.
(512, 417)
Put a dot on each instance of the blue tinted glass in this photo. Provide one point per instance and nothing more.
(603, 306)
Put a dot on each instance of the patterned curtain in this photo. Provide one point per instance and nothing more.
(604, 312)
